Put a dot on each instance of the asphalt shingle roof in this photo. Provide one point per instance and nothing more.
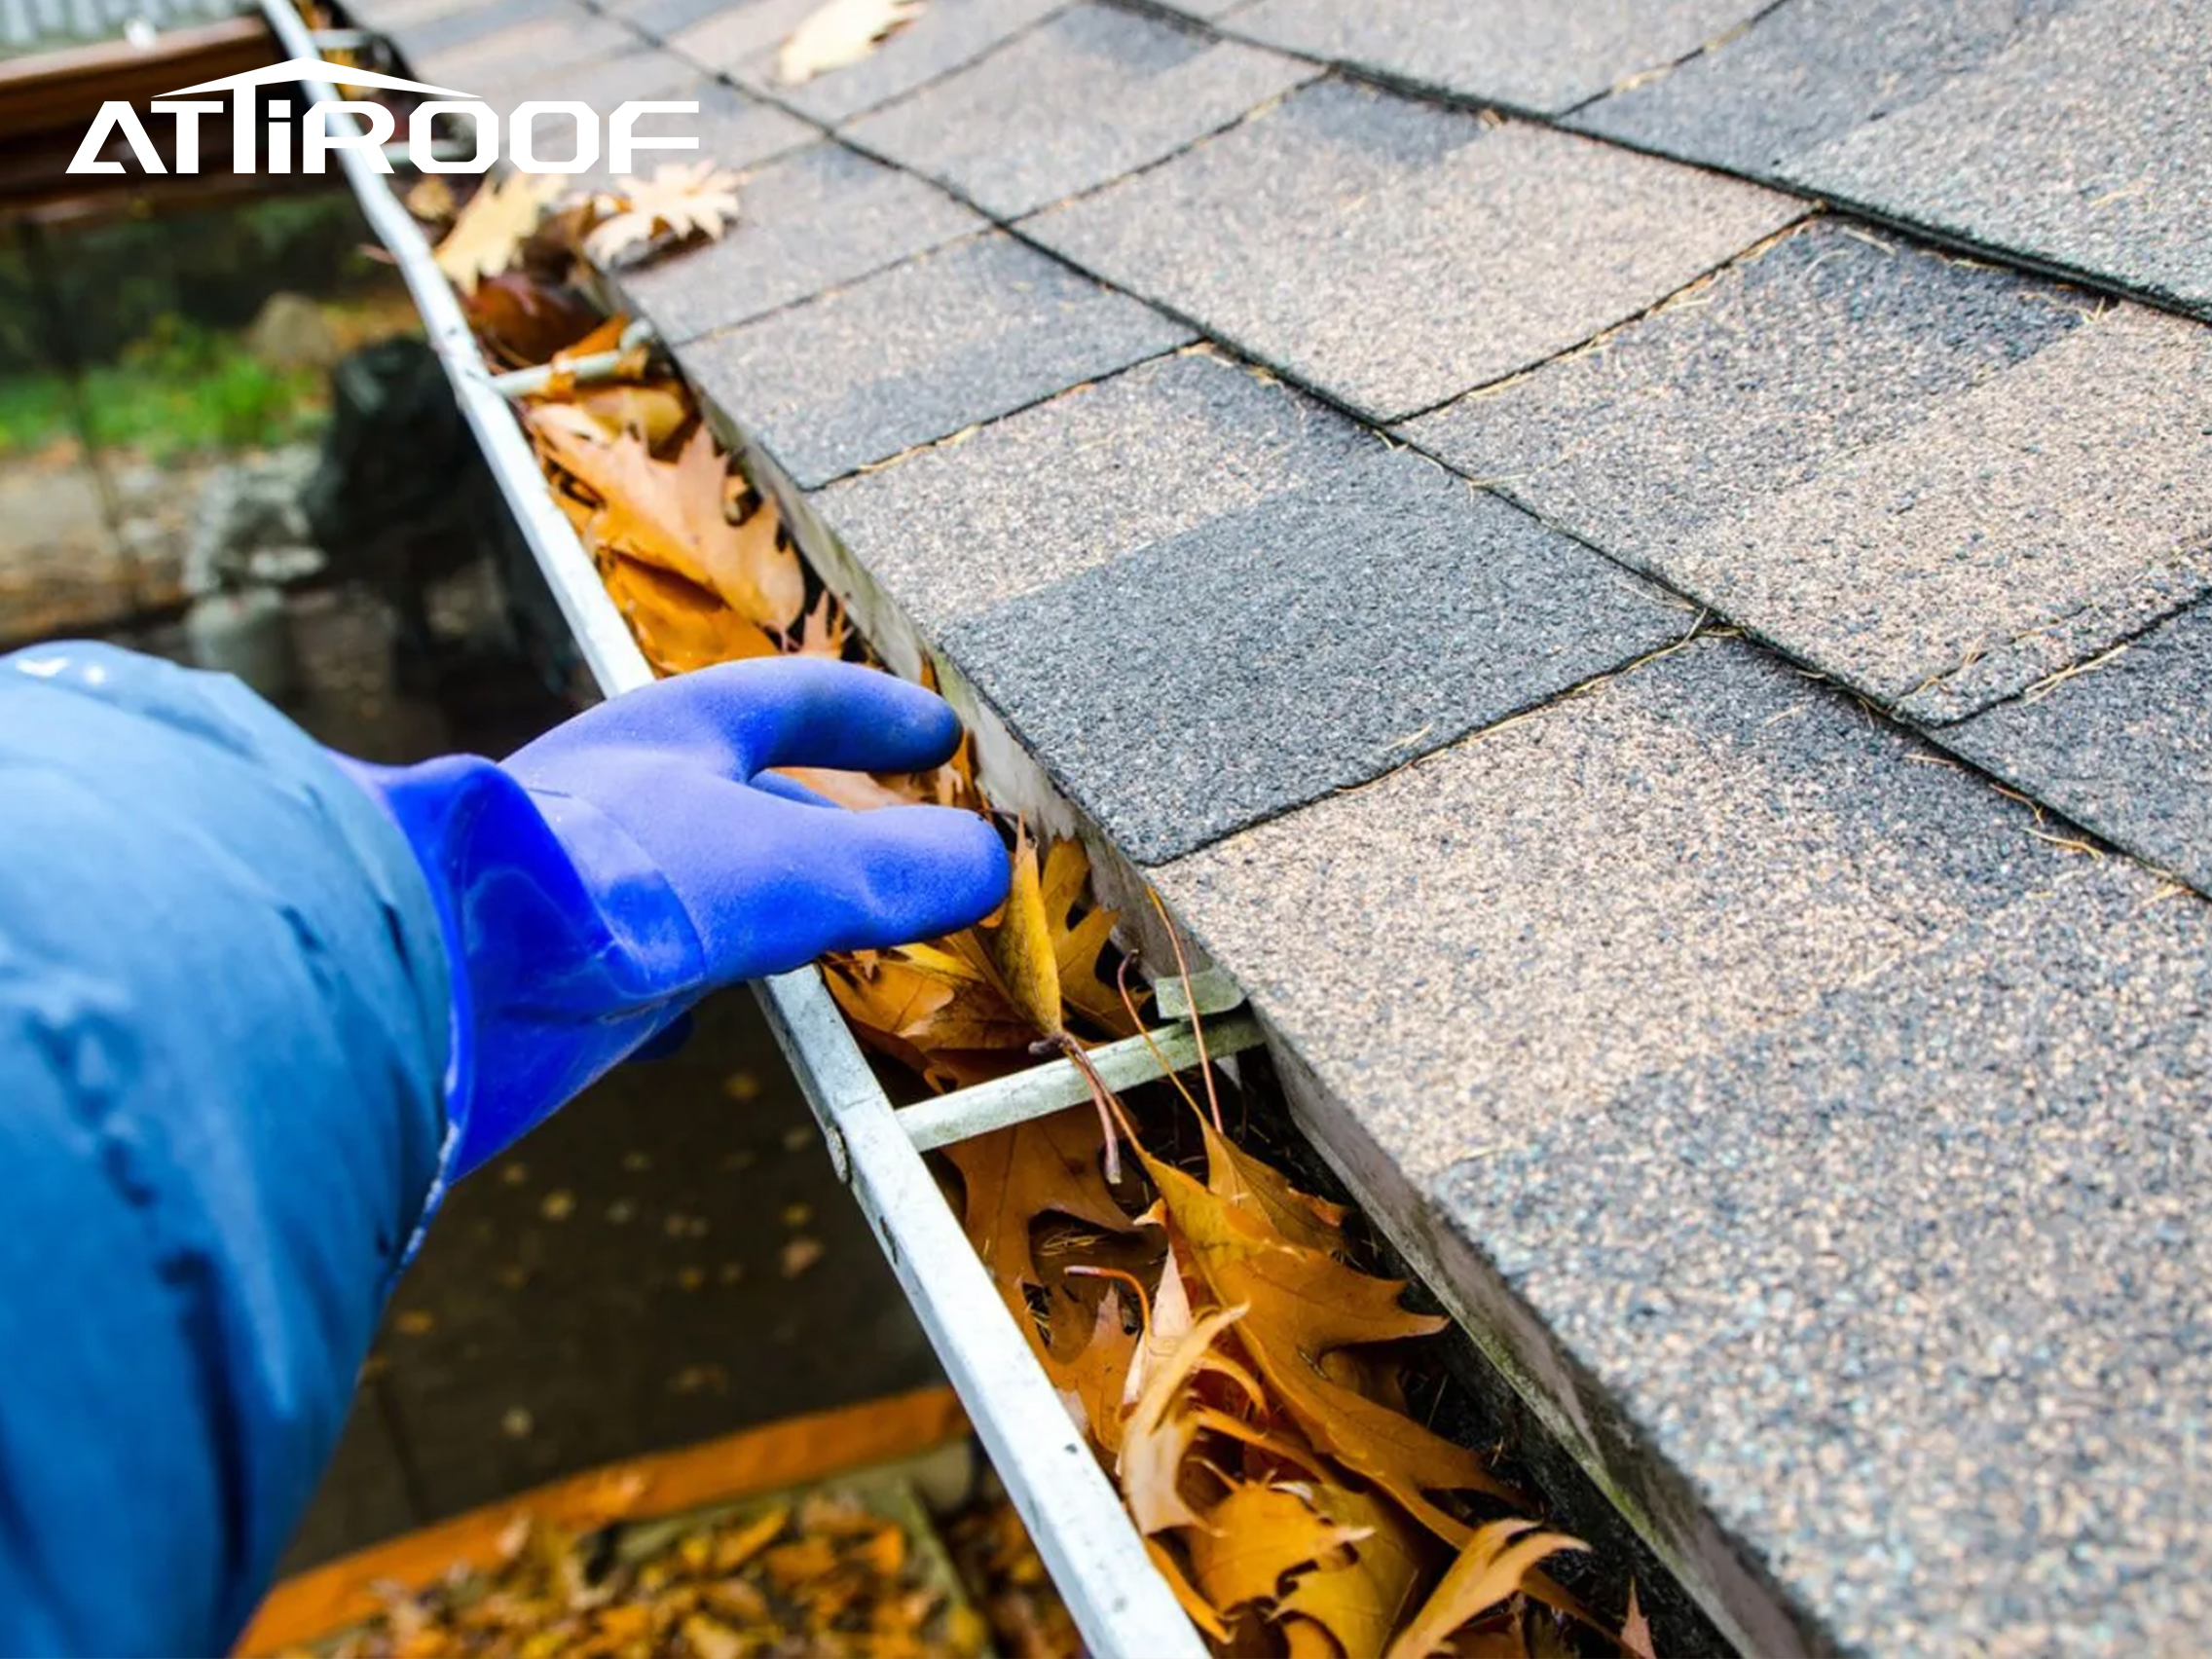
(1751, 1041)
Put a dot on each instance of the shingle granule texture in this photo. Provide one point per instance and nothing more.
(1311, 642)
(954, 337)
(1394, 254)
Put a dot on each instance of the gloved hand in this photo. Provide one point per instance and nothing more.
(611, 874)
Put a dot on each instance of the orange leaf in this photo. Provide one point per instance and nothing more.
(1195, 1605)
(679, 626)
(671, 514)
(1359, 1600)
(1160, 1430)
(1302, 1304)
(1255, 1537)
(1021, 946)
(1014, 1175)
(1488, 1572)
(1636, 1629)
(1090, 1379)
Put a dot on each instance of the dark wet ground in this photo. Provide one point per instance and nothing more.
(668, 1260)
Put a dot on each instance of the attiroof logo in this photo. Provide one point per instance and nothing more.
(331, 126)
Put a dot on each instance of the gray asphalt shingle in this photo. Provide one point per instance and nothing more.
(1912, 1286)
(2088, 144)
(1531, 54)
(1312, 640)
(1809, 71)
(1074, 482)
(1848, 1134)
(957, 336)
(1830, 339)
(1394, 254)
(2007, 508)
(2124, 746)
(946, 35)
(816, 219)
(1092, 94)
(546, 42)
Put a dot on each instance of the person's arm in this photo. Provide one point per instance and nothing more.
(257, 1003)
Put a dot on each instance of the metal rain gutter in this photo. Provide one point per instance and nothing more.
(1098, 1561)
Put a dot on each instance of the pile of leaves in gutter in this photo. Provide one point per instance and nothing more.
(828, 1578)
(1210, 1327)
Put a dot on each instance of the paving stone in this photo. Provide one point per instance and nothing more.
(2123, 745)
(1829, 339)
(1809, 71)
(1153, 451)
(946, 36)
(1092, 94)
(1913, 1286)
(2088, 145)
(816, 219)
(1395, 254)
(958, 336)
(1309, 643)
(1531, 54)
(566, 36)
(2009, 508)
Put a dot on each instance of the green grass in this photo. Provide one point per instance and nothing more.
(179, 391)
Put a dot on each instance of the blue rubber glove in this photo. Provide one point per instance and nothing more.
(611, 874)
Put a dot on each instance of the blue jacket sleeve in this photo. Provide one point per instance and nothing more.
(223, 1034)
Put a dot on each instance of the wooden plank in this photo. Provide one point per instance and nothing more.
(791, 1453)
(58, 90)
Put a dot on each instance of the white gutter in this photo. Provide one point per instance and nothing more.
(1119, 1602)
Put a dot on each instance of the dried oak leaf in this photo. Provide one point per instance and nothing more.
(679, 625)
(1161, 1428)
(1302, 1304)
(1089, 1368)
(841, 32)
(655, 412)
(680, 201)
(1011, 1176)
(488, 236)
(1636, 1629)
(523, 322)
(672, 514)
(1258, 1535)
(1361, 1596)
(948, 1009)
(1488, 1573)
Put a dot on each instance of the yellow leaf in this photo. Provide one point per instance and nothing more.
(488, 236)
(1488, 1572)
(1160, 1430)
(1255, 1537)
(680, 201)
(1302, 1304)
(431, 198)
(1014, 1175)
(842, 32)
(671, 514)
(1021, 946)
(1360, 1599)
